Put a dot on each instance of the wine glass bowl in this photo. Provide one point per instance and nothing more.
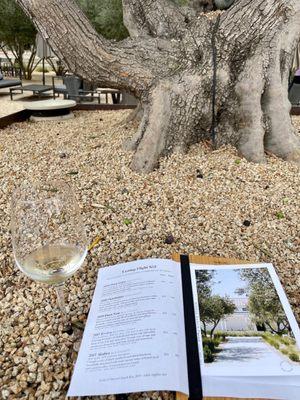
(48, 236)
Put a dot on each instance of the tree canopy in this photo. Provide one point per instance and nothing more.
(17, 33)
(264, 303)
(107, 16)
(213, 308)
(16, 29)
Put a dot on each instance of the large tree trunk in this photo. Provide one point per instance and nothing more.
(196, 75)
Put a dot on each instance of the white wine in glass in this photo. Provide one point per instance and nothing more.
(52, 264)
(48, 236)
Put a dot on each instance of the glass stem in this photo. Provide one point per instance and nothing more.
(61, 300)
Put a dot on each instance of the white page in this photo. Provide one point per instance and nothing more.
(282, 388)
(253, 377)
(134, 339)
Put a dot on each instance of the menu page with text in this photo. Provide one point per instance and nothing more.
(134, 339)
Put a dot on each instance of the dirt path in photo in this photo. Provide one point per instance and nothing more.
(252, 354)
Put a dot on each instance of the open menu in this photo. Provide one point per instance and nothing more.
(202, 330)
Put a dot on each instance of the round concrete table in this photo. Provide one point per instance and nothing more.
(50, 109)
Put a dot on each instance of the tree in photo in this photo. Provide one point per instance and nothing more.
(264, 303)
(203, 282)
(221, 76)
(17, 34)
(213, 309)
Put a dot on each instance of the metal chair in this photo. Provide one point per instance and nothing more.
(75, 91)
(59, 88)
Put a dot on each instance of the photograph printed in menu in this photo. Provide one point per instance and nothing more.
(244, 327)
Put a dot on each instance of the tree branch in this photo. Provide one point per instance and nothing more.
(255, 21)
(83, 51)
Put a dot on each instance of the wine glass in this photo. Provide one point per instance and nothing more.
(48, 236)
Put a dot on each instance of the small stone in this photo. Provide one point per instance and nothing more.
(32, 367)
(68, 329)
(47, 341)
(62, 155)
(247, 222)
(199, 174)
(45, 387)
(5, 393)
(76, 346)
(31, 377)
(16, 388)
(169, 239)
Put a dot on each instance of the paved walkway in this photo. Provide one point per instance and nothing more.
(9, 107)
(250, 355)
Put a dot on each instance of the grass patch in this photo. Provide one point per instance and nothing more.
(285, 344)
(39, 68)
(238, 333)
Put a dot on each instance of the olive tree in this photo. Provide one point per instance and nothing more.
(198, 75)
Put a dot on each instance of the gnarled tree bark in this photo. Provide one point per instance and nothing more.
(176, 58)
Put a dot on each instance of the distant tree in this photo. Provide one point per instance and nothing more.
(264, 303)
(17, 34)
(106, 16)
(213, 309)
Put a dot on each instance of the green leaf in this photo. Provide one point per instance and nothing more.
(127, 221)
(238, 161)
(78, 324)
(72, 173)
(280, 215)
(109, 207)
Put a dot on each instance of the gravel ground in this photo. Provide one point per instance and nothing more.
(204, 203)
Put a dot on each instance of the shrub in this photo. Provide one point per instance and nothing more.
(285, 351)
(284, 344)
(243, 333)
(208, 356)
(209, 343)
(220, 335)
(294, 357)
(287, 340)
(39, 68)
